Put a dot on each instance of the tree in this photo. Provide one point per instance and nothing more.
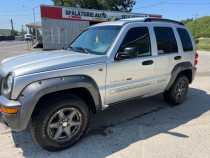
(187, 21)
(200, 27)
(112, 5)
(16, 33)
(22, 32)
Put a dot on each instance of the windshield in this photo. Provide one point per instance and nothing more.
(95, 40)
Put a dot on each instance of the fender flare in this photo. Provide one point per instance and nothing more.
(31, 94)
(176, 70)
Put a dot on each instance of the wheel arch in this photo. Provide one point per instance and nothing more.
(81, 85)
(81, 92)
(185, 68)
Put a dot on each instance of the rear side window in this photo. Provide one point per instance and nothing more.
(185, 39)
(138, 37)
(166, 41)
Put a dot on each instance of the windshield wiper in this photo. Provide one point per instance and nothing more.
(81, 48)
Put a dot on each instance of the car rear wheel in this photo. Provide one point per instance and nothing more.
(178, 91)
(60, 123)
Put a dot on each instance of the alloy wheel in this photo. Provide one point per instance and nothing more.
(180, 90)
(64, 124)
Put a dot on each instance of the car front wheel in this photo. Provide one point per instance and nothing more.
(60, 123)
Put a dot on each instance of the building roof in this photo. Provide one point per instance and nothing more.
(36, 25)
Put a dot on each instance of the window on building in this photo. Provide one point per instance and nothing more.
(138, 37)
(62, 35)
(48, 34)
(55, 35)
(166, 41)
(185, 39)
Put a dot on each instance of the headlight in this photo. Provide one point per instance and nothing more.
(9, 82)
(7, 85)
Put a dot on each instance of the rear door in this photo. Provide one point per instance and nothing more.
(188, 48)
(168, 54)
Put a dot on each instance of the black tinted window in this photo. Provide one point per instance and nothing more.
(138, 37)
(166, 41)
(185, 38)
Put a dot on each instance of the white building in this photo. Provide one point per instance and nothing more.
(5, 32)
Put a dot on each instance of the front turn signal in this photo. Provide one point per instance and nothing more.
(9, 110)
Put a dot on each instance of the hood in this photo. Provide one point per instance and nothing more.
(46, 61)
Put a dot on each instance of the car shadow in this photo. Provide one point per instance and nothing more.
(121, 125)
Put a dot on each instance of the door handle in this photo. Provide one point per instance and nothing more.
(148, 62)
(177, 57)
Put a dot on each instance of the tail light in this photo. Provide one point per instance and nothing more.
(196, 61)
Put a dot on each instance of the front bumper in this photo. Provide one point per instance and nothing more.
(10, 120)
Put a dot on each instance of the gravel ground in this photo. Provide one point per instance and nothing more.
(144, 128)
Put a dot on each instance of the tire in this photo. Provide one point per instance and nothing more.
(60, 123)
(178, 91)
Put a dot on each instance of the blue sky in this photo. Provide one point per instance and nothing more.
(172, 9)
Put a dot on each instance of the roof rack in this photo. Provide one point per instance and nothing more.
(163, 20)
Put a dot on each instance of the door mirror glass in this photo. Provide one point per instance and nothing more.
(128, 53)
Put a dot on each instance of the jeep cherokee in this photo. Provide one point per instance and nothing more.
(56, 91)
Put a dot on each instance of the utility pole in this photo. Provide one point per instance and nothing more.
(193, 26)
(23, 32)
(195, 23)
(12, 33)
(33, 9)
(34, 14)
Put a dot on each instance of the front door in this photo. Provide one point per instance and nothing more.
(129, 78)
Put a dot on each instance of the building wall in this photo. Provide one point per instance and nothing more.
(5, 32)
(72, 29)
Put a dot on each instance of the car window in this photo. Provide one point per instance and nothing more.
(185, 39)
(166, 41)
(95, 40)
(138, 37)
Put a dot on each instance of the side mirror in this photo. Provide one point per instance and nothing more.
(128, 53)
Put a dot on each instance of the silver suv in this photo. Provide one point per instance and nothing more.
(108, 63)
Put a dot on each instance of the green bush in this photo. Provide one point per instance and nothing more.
(196, 41)
(200, 27)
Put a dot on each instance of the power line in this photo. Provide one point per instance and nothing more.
(188, 3)
(3, 20)
(15, 11)
(33, 9)
(152, 5)
(20, 15)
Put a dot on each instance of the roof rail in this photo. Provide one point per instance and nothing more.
(163, 20)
